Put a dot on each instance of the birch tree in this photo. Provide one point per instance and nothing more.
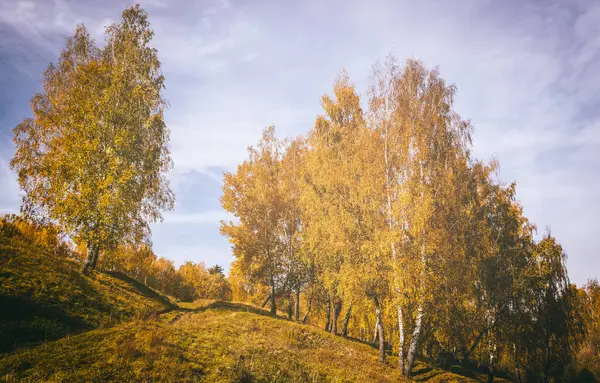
(423, 141)
(252, 195)
(94, 156)
(292, 221)
(326, 195)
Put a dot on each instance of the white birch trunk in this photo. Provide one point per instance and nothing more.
(401, 339)
(414, 343)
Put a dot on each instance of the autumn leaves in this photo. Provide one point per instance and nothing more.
(384, 209)
(380, 206)
(94, 156)
(362, 202)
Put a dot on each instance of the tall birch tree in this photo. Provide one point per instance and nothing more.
(252, 195)
(94, 156)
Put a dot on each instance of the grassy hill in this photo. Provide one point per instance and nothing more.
(44, 296)
(211, 342)
(59, 326)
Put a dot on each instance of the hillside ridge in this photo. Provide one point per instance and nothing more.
(45, 297)
(212, 341)
(59, 325)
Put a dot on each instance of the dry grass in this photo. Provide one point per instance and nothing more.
(109, 329)
(44, 296)
(209, 342)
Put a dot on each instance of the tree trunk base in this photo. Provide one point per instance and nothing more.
(91, 259)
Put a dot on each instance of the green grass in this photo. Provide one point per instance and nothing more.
(44, 296)
(220, 342)
(214, 342)
(59, 326)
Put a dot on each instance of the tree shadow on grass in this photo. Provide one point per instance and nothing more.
(26, 322)
(143, 289)
(389, 351)
(425, 373)
(462, 371)
(232, 306)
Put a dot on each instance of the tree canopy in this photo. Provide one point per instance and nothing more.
(378, 222)
(94, 156)
(382, 209)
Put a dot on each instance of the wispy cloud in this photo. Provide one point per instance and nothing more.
(9, 190)
(205, 217)
(527, 74)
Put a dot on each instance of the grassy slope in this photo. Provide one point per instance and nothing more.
(44, 296)
(217, 342)
(107, 333)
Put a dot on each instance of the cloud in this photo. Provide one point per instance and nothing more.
(197, 253)
(527, 76)
(205, 217)
(9, 189)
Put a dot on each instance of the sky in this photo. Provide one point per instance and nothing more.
(527, 73)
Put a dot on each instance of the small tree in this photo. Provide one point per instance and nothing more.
(94, 156)
(252, 194)
(216, 269)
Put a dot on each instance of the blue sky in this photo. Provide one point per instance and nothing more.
(527, 73)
